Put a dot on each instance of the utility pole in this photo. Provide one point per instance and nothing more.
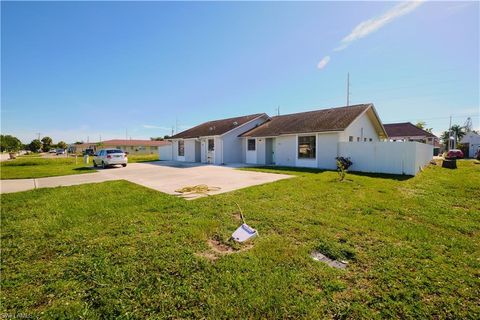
(449, 133)
(348, 89)
(39, 133)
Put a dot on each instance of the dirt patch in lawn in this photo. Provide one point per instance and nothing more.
(217, 249)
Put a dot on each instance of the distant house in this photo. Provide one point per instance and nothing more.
(130, 146)
(407, 131)
(471, 144)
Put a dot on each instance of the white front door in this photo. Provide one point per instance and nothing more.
(210, 151)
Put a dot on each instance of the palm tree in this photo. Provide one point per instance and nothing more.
(458, 132)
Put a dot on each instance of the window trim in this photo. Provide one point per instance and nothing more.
(254, 145)
(181, 147)
(314, 153)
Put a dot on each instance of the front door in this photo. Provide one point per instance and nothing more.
(210, 151)
(270, 151)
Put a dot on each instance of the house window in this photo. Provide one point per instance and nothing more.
(358, 139)
(251, 145)
(370, 139)
(364, 139)
(181, 148)
(350, 138)
(211, 145)
(306, 147)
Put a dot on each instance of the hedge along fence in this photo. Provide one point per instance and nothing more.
(387, 157)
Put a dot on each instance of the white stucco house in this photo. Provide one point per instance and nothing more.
(471, 142)
(307, 139)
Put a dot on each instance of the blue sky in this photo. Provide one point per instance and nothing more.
(73, 70)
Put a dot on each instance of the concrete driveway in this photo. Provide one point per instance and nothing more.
(164, 176)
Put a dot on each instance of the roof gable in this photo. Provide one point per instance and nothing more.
(333, 119)
(216, 127)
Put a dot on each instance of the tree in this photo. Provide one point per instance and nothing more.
(62, 145)
(35, 145)
(9, 143)
(156, 139)
(46, 143)
(457, 133)
(423, 125)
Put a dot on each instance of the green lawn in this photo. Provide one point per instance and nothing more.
(116, 249)
(36, 167)
(132, 158)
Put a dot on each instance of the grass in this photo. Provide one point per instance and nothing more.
(130, 252)
(36, 167)
(132, 158)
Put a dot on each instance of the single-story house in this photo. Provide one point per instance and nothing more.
(407, 131)
(310, 139)
(215, 142)
(471, 143)
(130, 146)
(307, 139)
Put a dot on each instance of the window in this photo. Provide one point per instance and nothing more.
(364, 139)
(306, 147)
(114, 151)
(350, 138)
(251, 145)
(358, 139)
(211, 145)
(181, 148)
(370, 139)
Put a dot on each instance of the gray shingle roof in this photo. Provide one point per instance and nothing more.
(333, 119)
(216, 127)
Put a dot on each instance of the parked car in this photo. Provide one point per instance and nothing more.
(89, 152)
(454, 154)
(110, 157)
(52, 151)
(60, 151)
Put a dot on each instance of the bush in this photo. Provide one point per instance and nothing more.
(342, 166)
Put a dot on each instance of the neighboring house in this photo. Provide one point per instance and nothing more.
(407, 131)
(130, 146)
(471, 143)
(214, 142)
(310, 139)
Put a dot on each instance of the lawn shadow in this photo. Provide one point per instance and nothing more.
(84, 169)
(398, 177)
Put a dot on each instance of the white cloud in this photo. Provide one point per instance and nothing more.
(323, 62)
(149, 126)
(368, 26)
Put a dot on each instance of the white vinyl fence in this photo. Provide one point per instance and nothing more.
(387, 157)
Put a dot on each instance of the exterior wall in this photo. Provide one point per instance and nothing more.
(355, 130)
(189, 150)
(218, 158)
(165, 152)
(327, 150)
(387, 157)
(285, 150)
(473, 140)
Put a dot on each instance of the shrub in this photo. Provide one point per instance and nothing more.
(342, 166)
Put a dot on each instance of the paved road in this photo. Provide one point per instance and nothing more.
(162, 176)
